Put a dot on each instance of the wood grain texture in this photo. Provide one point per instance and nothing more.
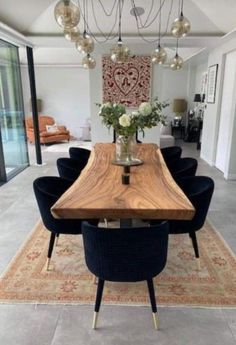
(99, 193)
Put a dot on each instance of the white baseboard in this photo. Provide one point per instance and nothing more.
(230, 176)
(211, 163)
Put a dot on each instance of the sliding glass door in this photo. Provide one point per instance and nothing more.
(13, 145)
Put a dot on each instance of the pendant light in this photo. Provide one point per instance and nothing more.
(120, 52)
(72, 34)
(88, 62)
(67, 14)
(177, 62)
(159, 55)
(181, 25)
(85, 43)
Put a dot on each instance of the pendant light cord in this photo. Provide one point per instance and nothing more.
(119, 39)
(159, 39)
(177, 47)
(84, 17)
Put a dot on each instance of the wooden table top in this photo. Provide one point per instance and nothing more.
(99, 192)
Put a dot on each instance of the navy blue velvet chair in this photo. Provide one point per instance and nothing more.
(79, 153)
(125, 255)
(48, 190)
(171, 154)
(69, 168)
(183, 167)
(199, 190)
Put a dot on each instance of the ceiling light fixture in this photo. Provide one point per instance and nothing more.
(88, 62)
(177, 62)
(120, 52)
(137, 11)
(85, 44)
(159, 55)
(72, 34)
(68, 12)
(181, 25)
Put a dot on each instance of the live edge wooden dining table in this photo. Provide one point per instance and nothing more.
(99, 193)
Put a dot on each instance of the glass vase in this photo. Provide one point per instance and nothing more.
(126, 149)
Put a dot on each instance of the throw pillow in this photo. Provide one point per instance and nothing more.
(52, 128)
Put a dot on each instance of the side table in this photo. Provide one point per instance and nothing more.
(178, 128)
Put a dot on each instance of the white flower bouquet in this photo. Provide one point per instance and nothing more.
(148, 115)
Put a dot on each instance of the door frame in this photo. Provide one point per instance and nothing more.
(4, 177)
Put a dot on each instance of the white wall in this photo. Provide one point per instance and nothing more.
(166, 84)
(195, 82)
(64, 92)
(99, 132)
(231, 166)
(227, 113)
(70, 93)
(213, 111)
(200, 70)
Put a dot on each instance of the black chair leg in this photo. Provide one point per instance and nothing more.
(98, 301)
(57, 239)
(194, 242)
(50, 249)
(153, 301)
(195, 247)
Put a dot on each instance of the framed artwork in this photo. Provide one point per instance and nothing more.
(204, 83)
(211, 83)
(128, 83)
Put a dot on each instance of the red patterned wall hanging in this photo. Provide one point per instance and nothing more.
(127, 83)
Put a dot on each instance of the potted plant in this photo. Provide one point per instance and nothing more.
(148, 115)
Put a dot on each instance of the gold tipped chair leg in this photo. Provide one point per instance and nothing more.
(48, 263)
(155, 320)
(95, 319)
(198, 264)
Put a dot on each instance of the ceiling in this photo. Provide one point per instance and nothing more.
(210, 20)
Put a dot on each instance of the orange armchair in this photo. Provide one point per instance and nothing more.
(60, 134)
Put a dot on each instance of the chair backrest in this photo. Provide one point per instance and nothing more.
(171, 154)
(199, 190)
(127, 254)
(48, 189)
(69, 168)
(80, 154)
(183, 167)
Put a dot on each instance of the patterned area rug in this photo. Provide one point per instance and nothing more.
(69, 281)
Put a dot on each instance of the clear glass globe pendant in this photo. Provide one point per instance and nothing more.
(180, 27)
(72, 34)
(67, 14)
(85, 44)
(120, 52)
(176, 63)
(88, 62)
(159, 55)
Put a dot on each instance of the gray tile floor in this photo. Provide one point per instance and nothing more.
(71, 325)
